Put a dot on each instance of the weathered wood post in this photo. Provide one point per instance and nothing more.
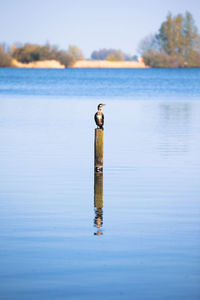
(98, 170)
(98, 189)
(98, 150)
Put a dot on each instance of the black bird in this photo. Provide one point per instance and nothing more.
(99, 116)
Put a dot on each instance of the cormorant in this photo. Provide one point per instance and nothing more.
(99, 116)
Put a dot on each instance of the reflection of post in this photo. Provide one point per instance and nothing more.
(98, 202)
(98, 150)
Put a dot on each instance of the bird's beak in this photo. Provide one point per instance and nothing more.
(103, 104)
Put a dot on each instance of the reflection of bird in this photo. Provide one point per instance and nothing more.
(99, 116)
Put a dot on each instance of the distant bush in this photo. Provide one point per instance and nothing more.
(65, 58)
(112, 55)
(117, 56)
(102, 54)
(158, 59)
(5, 59)
(75, 52)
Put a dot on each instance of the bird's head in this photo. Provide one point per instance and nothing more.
(100, 106)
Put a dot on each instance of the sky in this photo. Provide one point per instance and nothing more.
(89, 24)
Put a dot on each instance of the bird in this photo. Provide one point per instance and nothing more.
(99, 116)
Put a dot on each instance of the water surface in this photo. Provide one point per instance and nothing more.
(140, 240)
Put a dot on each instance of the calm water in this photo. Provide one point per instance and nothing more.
(141, 238)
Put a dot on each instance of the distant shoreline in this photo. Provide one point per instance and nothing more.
(104, 64)
(109, 64)
(41, 64)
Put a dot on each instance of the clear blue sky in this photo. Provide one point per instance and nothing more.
(88, 24)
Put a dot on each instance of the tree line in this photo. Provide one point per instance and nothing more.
(177, 44)
(30, 53)
(112, 55)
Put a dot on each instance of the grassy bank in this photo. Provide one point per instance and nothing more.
(54, 64)
(108, 64)
(41, 64)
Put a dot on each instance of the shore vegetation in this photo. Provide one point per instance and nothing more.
(5, 58)
(30, 53)
(177, 44)
(112, 55)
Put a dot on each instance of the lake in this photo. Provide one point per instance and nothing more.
(141, 239)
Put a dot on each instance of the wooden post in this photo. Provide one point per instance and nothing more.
(98, 189)
(98, 202)
(98, 150)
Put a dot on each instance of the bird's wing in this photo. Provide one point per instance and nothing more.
(95, 117)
